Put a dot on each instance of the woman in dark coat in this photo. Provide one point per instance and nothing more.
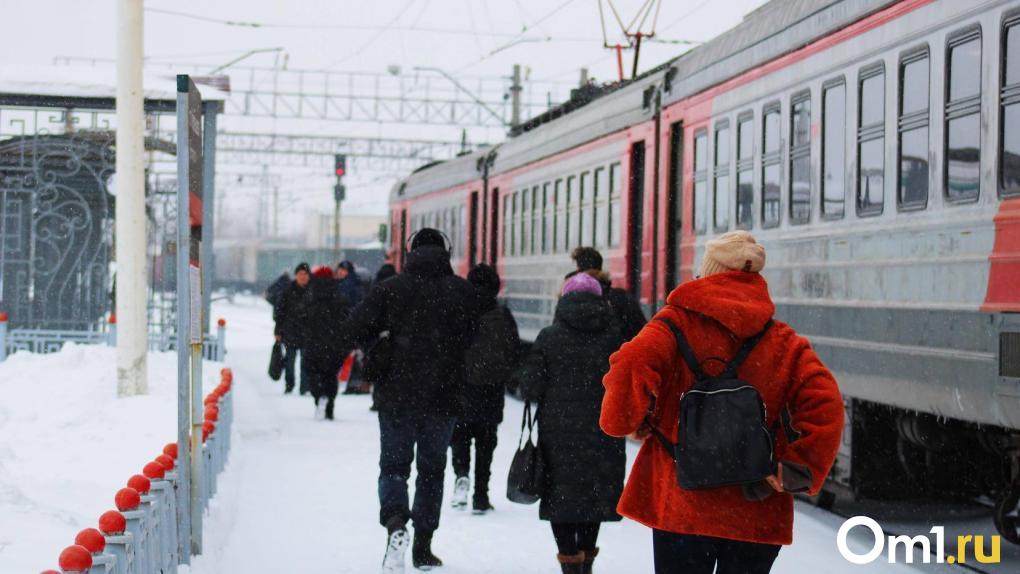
(323, 351)
(584, 467)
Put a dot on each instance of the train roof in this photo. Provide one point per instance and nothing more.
(773, 30)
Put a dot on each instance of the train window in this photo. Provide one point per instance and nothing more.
(871, 141)
(721, 177)
(526, 231)
(800, 158)
(615, 191)
(587, 215)
(963, 117)
(601, 208)
(536, 220)
(745, 171)
(913, 131)
(834, 150)
(549, 207)
(561, 218)
(1009, 128)
(700, 181)
(515, 240)
(573, 213)
(507, 225)
(771, 160)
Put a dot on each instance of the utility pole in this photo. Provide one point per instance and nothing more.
(339, 193)
(584, 77)
(515, 98)
(131, 312)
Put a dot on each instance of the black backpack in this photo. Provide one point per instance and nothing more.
(492, 355)
(723, 438)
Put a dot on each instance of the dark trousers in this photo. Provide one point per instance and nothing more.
(289, 361)
(322, 384)
(484, 435)
(690, 554)
(398, 436)
(574, 537)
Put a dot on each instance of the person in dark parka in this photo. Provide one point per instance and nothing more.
(290, 315)
(584, 467)
(431, 316)
(349, 283)
(489, 363)
(323, 350)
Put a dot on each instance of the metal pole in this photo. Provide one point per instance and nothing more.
(515, 97)
(133, 342)
(209, 111)
(184, 446)
(637, 54)
(336, 228)
(584, 77)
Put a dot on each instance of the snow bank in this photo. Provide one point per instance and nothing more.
(67, 443)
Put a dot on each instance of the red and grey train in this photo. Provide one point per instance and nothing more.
(872, 146)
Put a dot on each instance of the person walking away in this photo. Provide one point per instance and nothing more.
(291, 315)
(730, 528)
(377, 354)
(489, 363)
(323, 350)
(276, 289)
(626, 308)
(584, 468)
(431, 315)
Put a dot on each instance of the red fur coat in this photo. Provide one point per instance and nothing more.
(716, 313)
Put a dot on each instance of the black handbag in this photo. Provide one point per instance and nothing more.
(526, 481)
(276, 362)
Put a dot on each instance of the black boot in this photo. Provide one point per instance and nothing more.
(571, 563)
(589, 559)
(329, 408)
(481, 504)
(421, 551)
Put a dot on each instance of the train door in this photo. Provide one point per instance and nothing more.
(494, 226)
(674, 202)
(635, 220)
(473, 230)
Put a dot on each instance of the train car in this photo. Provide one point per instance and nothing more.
(870, 145)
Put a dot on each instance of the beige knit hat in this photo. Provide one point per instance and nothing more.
(733, 251)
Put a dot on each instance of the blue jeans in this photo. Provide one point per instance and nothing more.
(398, 435)
(692, 554)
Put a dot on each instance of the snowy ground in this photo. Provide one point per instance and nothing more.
(298, 495)
(67, 444)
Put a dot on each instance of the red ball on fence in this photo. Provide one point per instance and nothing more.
(75, 559)
(49, 572)
(92, 540)
(112, 320)
(140, 483)
(221, 322)
(166, 461)
(153, 470)
(212, 398)
(208, 427)
(227, 373)
(112, 522)
(170, 450)
(4, 317)
(127, 499)
(212, 413)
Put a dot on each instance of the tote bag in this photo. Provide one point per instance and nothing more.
(525, 483)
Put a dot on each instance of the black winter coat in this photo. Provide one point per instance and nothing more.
(484, 403)
(628, 312)
(563, 374)
(327, 311)
(291, 314)
(431, 315)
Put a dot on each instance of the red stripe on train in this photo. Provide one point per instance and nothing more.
(1004, 271)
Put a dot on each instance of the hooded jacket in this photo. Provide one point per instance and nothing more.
(716, 314)
(584, 468)
(431, 316)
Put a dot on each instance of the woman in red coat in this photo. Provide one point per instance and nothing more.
(738, 528)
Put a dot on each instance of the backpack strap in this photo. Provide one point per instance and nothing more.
(745, 350)
(685, 349)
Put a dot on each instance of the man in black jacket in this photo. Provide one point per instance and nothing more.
(627, 310)
(291, 317)
(431, 315)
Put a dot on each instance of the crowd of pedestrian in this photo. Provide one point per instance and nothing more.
(733, 410)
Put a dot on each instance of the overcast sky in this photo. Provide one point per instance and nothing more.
(552, 39)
